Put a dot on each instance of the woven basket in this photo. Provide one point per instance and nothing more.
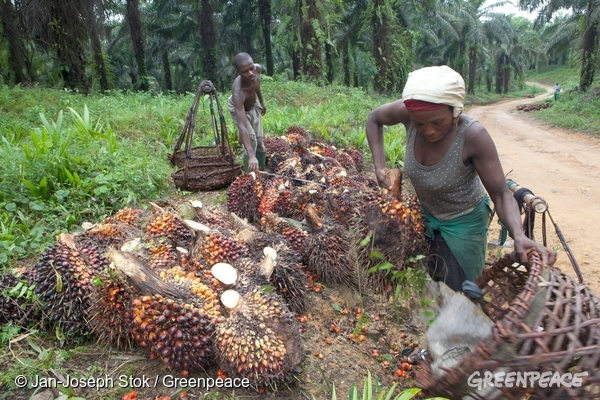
(204, 167)
(545, 322)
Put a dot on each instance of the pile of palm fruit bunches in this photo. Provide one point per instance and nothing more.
(198, 286)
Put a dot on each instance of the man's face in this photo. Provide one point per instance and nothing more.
(247, 70)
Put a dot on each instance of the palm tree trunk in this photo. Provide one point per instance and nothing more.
(92, 24)
(167, 70)
(506, 73)
(208, 34)
(311, 48)
(137, 38)
(68, 31)
(346, 64)
(10, 29)
(264, 7)
(472, 69)
(381, 48)
(588, 59)
(329, 59)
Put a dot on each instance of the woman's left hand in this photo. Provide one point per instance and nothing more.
(522, 245)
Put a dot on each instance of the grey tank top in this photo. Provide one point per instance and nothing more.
(448, 189)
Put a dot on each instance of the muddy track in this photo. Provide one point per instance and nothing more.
(559, 165)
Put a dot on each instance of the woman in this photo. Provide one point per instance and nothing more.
(452, 162)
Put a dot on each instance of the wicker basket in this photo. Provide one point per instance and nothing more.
(545, 322)
(204, 167)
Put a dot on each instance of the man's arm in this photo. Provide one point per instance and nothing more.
(482, 151)
(388, 114)
(258, 69)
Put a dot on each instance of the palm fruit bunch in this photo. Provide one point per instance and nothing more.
(103, 235)
(343, 204)
(212, 216)
(297, 137)
(323, 149)
(17, 302)
(109, 312)
(244, 195)
(127, 215)
(357, 157)
(170, 226)
(329, 251)
(277, 198)
(258, 339)
(295, 235)
(178, 333)
(312, 193)
(63, 279)
(196, 283)
(289, 278)
(277, 145)
(395, 225)
(218, 246)
(162, 254)
(291, 167)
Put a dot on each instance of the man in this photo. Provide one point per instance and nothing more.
(556, 89)
(452, 163)
(247, 112)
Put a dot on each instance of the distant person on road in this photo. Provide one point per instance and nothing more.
(247, 112)
(454, 167)
(556, 90)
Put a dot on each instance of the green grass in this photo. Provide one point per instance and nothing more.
(575, 110)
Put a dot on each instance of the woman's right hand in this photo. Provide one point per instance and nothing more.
(381, 181)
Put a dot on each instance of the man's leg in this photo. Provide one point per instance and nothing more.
(261, 151)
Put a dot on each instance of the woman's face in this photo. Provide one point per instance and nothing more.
(434, 125)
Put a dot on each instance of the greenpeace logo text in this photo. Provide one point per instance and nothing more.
(525, 379)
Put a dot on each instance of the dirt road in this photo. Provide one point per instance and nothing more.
(561, 166)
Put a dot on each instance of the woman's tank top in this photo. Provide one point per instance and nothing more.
(448, 189)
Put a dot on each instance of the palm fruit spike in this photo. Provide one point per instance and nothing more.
(293, 234)
(17, 303)
(109, 314)
(127, 215)
(219, 246)
(289, 278)
(328, 251)
(244, 196)
(258, 339)
(277, 198)
(199, 285)
(170, 226)
(63, 280)
(176, 332)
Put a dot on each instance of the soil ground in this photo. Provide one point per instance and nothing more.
(562, 167)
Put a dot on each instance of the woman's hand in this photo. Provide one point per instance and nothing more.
(523, 244)
(381, 181)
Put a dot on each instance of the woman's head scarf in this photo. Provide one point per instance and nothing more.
(438, 85)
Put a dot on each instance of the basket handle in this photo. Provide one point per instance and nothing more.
(188, 128)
